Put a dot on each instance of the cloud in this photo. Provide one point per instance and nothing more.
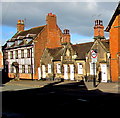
(78, 17)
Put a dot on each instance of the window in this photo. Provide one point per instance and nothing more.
(80, 68)
(16, 54)
(49, 68)
(28, 53)
(22, 53)
(11, 54)
(58, 68)
(29, 68)
(23, 68)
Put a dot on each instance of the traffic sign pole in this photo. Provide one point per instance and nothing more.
(94, 60)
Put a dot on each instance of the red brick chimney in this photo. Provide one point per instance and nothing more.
(66, 36)
(20, 25)
(53, 32)
(51, 21)
(98, 29)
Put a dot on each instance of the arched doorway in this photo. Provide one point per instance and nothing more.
(16, 65)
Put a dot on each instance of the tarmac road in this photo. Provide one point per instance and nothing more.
(55, 99)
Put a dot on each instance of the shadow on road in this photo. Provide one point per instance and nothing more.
(57, 100)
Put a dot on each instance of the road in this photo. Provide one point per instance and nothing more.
(59, 100)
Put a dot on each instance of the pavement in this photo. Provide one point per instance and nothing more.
(28, 84)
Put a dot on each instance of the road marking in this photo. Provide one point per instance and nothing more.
(82, 100)
(52, 92)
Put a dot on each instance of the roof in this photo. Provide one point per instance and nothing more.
(56, 53)
(116, 13)
(23, 35)
(106, 44)
(82, 49)
(35, 30)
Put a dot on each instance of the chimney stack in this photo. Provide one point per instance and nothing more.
(20, 25)
(51, 21)
(98, 29)
(66, 36)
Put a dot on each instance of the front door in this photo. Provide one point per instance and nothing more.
(104, 72)
(71, 72)
(65, 71)
(43, 71)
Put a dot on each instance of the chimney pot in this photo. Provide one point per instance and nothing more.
(98, 29)
(20, 25)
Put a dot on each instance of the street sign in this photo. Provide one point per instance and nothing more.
(93, 56)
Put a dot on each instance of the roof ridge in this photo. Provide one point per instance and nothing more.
(37, 27)
(82, 43)
(54, 48)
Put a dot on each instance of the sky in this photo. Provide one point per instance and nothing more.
(78, 17)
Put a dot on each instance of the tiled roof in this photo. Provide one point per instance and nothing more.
(56, 53)
(35, 30)
(26, 34)
(82, 49)
(106, 44)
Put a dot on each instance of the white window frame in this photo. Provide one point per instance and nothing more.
(80, 68)
(49, 68)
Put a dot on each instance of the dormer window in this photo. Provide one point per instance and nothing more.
(27, 40)
(30, 35)
(20, 37)
(19, 41)
(10, 43)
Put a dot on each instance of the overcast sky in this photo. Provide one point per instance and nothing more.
(78, 17)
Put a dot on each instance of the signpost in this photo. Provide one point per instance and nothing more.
(94, 60)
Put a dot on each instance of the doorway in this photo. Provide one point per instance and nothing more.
(66, 71)
(43, 72)
(71, 72)
(39, 73)
(104, 72)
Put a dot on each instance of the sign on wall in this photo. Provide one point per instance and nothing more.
(94, 56)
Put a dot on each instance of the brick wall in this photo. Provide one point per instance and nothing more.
(114, 48)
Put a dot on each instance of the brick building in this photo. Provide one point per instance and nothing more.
(114, 31)
(23, 51)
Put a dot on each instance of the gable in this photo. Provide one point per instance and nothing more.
(99, 44)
